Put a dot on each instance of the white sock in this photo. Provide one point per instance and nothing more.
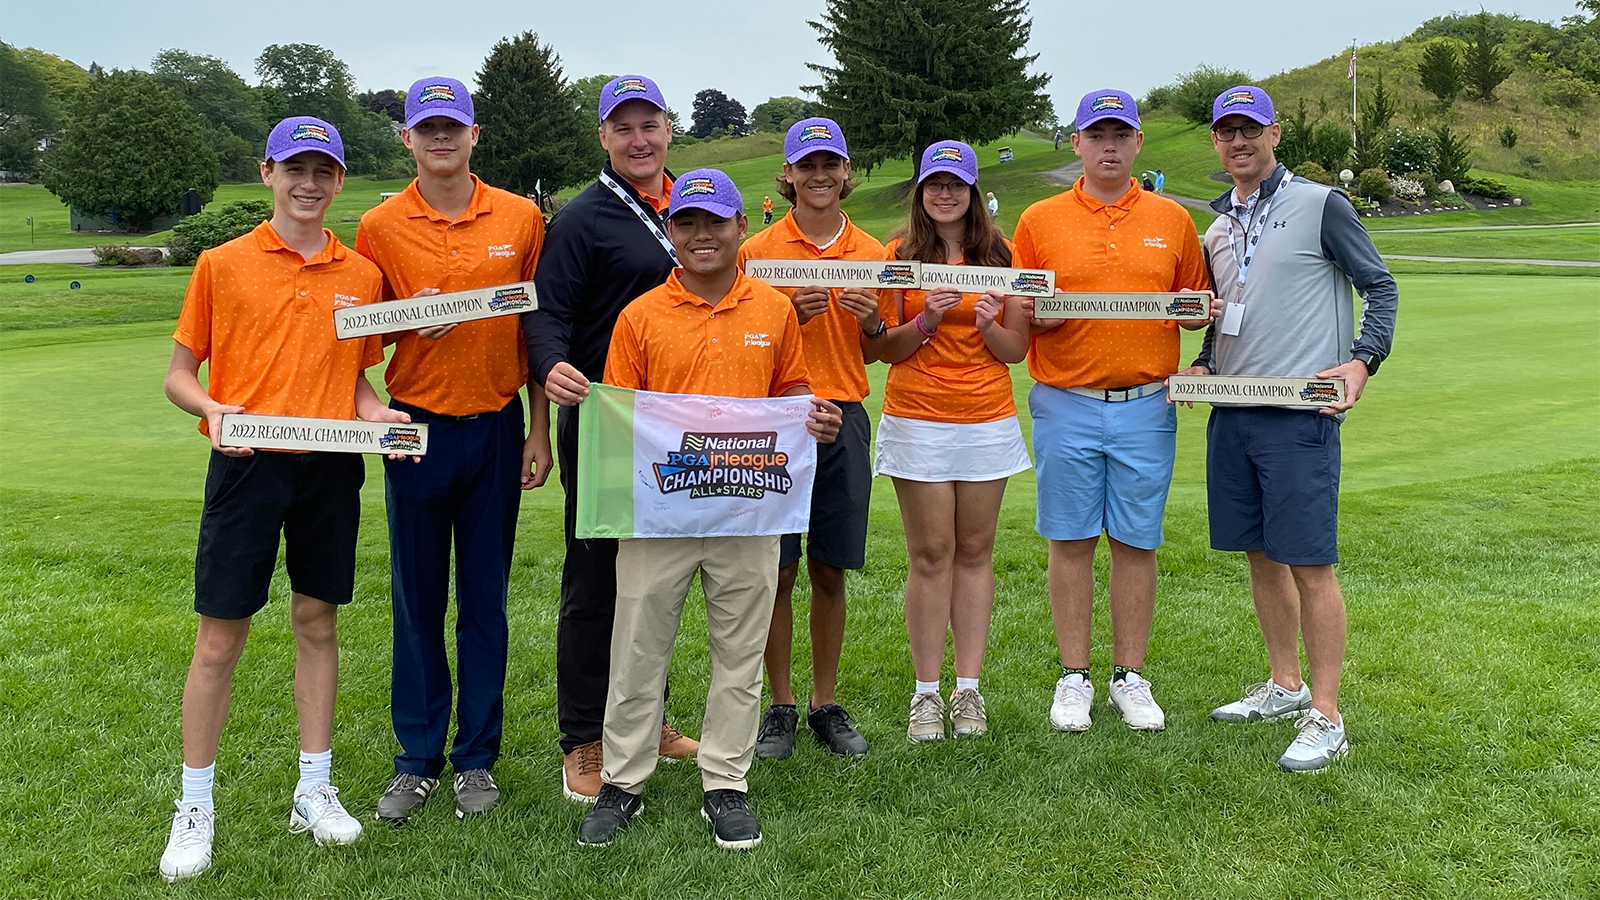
(197, 786)
(315, 769)
(927, 687)
(966, 683)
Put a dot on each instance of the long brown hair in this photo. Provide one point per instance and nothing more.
(982, 243)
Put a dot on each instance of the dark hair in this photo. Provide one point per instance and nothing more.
(982, 243)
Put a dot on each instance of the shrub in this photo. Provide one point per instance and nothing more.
(1508, 136)
(117, 255)
(1409, 151)
(1374, 185)
(1407, 188)
(214, 227)
(1486, 188)
(1451, 157)
(1193, 92)
(1311, 171)
(1430, 185)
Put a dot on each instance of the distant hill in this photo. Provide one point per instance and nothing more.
(1554, 109)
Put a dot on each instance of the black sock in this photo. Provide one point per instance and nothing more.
(1119, 672)
(1065, 671)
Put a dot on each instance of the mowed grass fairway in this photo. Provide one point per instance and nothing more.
(1471, 539)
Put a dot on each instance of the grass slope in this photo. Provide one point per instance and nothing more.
(1472, 544)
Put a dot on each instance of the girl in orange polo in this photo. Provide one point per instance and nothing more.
(949, 436)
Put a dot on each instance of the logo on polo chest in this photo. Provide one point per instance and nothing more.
(306, 131)
(345, 301)
(1155, 243)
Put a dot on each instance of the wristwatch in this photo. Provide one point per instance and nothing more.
(882, 327)
(1368, 360)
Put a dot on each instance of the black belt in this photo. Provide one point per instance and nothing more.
(418, 413)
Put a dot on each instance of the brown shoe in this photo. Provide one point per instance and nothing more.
(675, 745)
(580, 773)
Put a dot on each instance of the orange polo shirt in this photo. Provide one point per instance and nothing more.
(832, 339)
(1142, 242)
(671, 340)
(662, 202)
(953, 377)
(263, 315)
(480, 366)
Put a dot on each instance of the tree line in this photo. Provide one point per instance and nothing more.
(905, 73)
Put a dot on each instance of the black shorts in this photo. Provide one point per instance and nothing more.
(313, 498)
(840, 498)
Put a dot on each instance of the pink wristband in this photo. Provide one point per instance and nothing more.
(924, 327)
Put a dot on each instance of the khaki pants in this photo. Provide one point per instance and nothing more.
(740, 578)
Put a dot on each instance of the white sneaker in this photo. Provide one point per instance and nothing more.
(1131, 697)
(1319, 743)
(1070, 709)
(319, 812)
(1265, 702)
(927, 718)
(188, 850)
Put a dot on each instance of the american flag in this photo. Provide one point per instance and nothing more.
(1352, 73)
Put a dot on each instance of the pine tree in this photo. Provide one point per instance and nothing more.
(1484, 70)
(907, 73)
(1440, 71)
(532, 130)
(1373, 130)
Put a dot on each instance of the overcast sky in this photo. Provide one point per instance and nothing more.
(750, 49)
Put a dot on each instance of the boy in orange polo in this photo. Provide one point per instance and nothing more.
(448, 231)
(259, 309)
(1104, 436)
(842, 331)
(685, 338)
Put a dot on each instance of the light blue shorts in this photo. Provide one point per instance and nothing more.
(1102, 466)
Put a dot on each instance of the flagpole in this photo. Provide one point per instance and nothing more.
(1353, 140)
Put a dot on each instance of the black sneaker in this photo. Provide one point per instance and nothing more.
(404, 797)
(732, 823)
(613, 810)
(779, 727)
(831, 725)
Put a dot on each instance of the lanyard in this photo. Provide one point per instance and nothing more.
(1242, 258)
(649, 221)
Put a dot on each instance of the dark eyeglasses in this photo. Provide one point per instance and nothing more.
(1250, 132)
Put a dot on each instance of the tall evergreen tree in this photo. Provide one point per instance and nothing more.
(132, 147)
(1484, 70)
(1372, 132)
(1440, 71)
(907, 73)
(533, 132)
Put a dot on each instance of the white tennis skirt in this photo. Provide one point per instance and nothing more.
(917, 450)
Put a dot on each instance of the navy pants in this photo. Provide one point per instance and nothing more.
(468, 487)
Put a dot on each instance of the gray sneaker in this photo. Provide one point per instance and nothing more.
(404, 796)
(779, 726)
(1265, 702)
(1318, 744)
(475, 793)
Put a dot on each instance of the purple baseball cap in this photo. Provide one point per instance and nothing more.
(623, 88)
(429, 97)
(807, 136)
(1107, 104)
(302, 134)
(953, 157)
(707, 189)
(1245, 100)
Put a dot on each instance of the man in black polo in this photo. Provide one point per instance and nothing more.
(605, 248)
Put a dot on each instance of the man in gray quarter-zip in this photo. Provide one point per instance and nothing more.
(1284, 256)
